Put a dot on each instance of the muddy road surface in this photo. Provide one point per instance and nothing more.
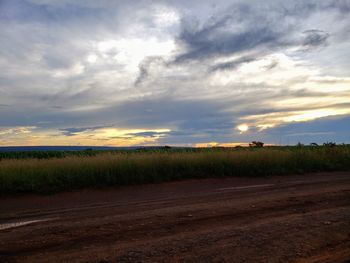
(301, 218)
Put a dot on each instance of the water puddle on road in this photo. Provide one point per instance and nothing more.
(244, 187)
(21, 223)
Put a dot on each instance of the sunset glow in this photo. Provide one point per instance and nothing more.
(243, 128)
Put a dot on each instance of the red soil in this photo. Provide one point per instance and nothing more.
(278, 219)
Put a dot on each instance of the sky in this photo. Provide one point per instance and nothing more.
(187, 73)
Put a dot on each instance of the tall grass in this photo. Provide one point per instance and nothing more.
(104, 169)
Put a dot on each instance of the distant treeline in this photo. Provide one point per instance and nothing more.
(93, 151)
(44, 153)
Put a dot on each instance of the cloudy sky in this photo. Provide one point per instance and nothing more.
(109, 72)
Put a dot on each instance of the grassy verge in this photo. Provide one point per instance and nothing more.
(104, 169)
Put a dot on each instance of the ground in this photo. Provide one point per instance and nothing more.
(299, 218)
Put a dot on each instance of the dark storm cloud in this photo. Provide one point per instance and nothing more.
(211, 41)
(245, 27)
(241, 28)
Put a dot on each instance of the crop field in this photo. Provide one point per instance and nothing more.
(61, 171)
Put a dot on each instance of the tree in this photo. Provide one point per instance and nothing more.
(256, 144)
(329, 144)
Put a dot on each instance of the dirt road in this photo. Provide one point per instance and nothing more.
(303, 218)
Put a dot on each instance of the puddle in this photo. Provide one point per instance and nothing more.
(245, 187)
(22, 223)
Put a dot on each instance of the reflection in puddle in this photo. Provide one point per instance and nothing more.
(21, 223)
(245, 187)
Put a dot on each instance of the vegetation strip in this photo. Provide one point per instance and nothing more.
(138, 167)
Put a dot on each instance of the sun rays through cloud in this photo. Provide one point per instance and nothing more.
(243, 128)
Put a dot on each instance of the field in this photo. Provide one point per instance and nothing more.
(54, 171)
(270, 204)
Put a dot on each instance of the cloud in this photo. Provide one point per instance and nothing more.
(218, 38)
(314, 38)
(148, 134)
(334, 128)
(77, 130)
(145, 67)
(191, 68)
(16, 130)
(232, 64)
(312, 134)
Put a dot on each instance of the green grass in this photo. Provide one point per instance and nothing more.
(139, 167)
